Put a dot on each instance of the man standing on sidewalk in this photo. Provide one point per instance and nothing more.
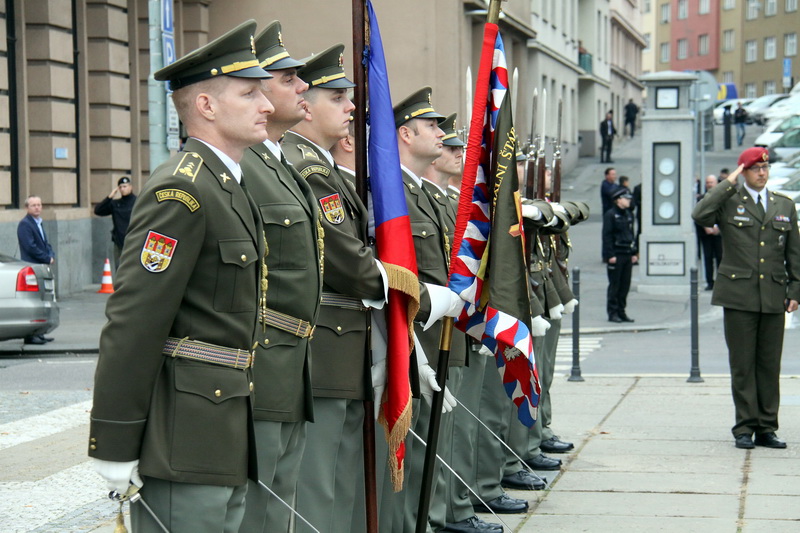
(619, 251)
(607, 132)
(758, 279)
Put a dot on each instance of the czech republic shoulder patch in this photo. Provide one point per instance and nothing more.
(332, 208)
(157, 251)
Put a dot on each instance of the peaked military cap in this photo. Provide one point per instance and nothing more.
(417, 105)
(573, 211)
(448, 126)
(584, 207)
(326, 70)
(270, 50)
(620, 192)
(232, 54)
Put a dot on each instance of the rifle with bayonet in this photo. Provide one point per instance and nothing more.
(530, 172)
(541, 164)
(555, 194)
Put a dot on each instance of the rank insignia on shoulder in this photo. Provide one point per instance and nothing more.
(308, 152)
(157, 251)
(179, 196)
(332, 208)
(189, 166)
(781, 194)
(265, 155)
(315, 169)
(224, 177)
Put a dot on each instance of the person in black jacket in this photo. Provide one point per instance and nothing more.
(620, 254)
(120, 210)
(607, 133)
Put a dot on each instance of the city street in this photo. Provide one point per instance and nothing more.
(651, 451)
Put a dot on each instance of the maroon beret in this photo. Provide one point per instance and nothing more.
(753, 155)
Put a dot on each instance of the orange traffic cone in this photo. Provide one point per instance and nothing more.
(106, 285)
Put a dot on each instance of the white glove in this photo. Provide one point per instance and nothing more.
(118, 475)
(555, 312)
(555, 221)
(570, 306)
(532, 212)
(378, 384)
(456, 305)
(444, 302)
(559, 208)
(539, 326)
(485, 351)
(428, 385)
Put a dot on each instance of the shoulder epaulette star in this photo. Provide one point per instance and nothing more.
(224, 177)
(437, 195)
(189, 166)
(265, 155)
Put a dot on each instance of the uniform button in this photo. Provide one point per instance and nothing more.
(733, 276)
(424, 233)
(762, 259)
(92, 447)
(217, 393)
(266, 341)
(761, 243)
(740, 224)
(338, 328)
(244, 258)
(287, 221)
(251, 386)
(93, 440)
(763, 228)
(761, 276)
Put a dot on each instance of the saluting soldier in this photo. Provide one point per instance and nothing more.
(172, 398)
(353, 281)
(283, 397)
(759, 279)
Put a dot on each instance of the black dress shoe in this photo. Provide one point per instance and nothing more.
(614, 318)
(542, 462)
(473, 525)
(34, 339)
(503, 504)
(46, 339)
(769, 440)
(555, 445)
(710, 287)
(625, 318)
(523, 480)
(744, 442)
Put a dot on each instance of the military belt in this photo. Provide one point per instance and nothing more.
(296, 326)
(332, 299)
(208, 353)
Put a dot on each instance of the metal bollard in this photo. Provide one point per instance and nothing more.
(575, 375)
(694, 373)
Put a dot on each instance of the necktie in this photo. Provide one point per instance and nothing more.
(760, 206)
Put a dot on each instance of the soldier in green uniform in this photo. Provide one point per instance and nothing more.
(283, 400)
(759, 279)
(354, 280)
(172, 398)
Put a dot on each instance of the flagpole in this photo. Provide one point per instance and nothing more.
(441, 375)
(360, 135)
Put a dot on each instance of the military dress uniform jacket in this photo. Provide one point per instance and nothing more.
(760, 265)
(287, 207)
(189, 270)
(340, 359)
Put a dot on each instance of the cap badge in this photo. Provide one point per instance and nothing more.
(341, 60)
(252, 45)
(280, 39)
(429, 100)
(764, 156)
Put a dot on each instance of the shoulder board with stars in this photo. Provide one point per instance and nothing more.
(189, 166)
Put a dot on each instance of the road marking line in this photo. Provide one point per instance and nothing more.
(44, 425)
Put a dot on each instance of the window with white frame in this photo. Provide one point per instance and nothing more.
(646, 42)
(665, 13)
(752, 9)
(769, 87)
(702, 45)
(791, 5)
(749, 90)
(750, 51)
(727, 76)
(664, 55)
(769, 48)
(790, 44)
(683, 48)
(683, 9)
(729, 4)
(705, 7)
(770, 8)
(728, 40)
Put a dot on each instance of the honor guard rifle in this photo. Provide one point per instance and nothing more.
(555, 194)
(530, 170)
(541, 190)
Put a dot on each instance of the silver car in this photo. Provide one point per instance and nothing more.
(27, 299)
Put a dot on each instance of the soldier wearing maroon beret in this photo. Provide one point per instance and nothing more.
(759, 279)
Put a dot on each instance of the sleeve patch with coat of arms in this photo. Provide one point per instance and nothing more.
(157, 251)
(332, 208)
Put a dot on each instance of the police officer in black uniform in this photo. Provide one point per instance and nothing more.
(620, 253)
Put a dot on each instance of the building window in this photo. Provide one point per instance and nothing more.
(769, 48)
(705, 7)
(727, 77)
(683, 9)
(729, 4)
(702, 45)
(752, 9)
(647, 6)
(770, 8)
(791, 5)
(769, 87)
(664, 13)
(750, 51)
(790, 44)
(749, 90)
(646, 42)
(728, 40)
(683, 48)
(664, 53)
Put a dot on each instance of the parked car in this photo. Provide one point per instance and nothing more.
(27, 299)
(783, 109)
(756, 108)
(719, 110)
(776, 129)
(786, 146)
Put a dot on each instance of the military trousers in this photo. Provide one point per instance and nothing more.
(547, 371)
(279, 446)
(619, 283)
(755, 343)
(188, 507)
(490, 455)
